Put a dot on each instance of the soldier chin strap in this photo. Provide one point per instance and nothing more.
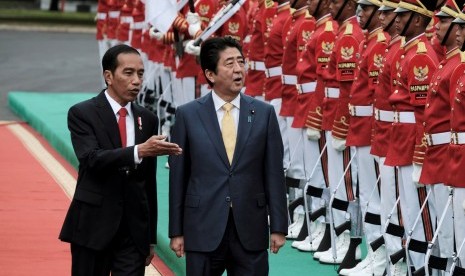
(294, 3)
(369, 19)
(340, 10)
(462, 48)
(446, 36)
(407, 24)
(317, 8)
(388, 26)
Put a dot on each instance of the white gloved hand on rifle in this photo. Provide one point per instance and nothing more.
(313, 134)
(191, 48)
(339, 144)
(193, 19)
(416, 175)
(155, 34)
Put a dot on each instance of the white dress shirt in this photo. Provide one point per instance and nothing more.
(218, 102)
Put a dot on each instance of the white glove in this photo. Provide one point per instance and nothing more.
(192, 18)
(313, 134)
(191, 48)
(339, 144)
(155, 34)
(416, 175)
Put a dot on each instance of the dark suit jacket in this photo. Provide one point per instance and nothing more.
(203, 183)
(109, 186)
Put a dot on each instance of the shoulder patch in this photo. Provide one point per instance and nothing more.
(349, 29)
(421, 48)
(381, 37)
(329, 26)
(269, 4)
(462, 57)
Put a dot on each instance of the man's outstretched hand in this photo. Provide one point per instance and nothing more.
(157, 145)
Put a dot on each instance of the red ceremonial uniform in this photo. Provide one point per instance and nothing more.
(456, 171)
(361, 93)
(433, 39)
(290, 57)
(138, 15)
(255, 79)
(102, 10)
(236, 26)
(415, 68)
(437, 120)
(274, 53)
(322, 102)
(347, 57)
(382, 123)
(306, 72)
(125, 20)
(114, 7)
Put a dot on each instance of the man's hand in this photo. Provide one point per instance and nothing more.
(155, 34)
(416, 175)
(313, 134)
(277, 241)
(191, 48)
(339, 144)
(157, 145)
(177, 245)
(149, 258)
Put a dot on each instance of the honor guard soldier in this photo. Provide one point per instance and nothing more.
(101, 34)
(123, 33)
(294, 171)
(342, 171)
(306, 87)
(273, 62)
(431, 33)
(455, 168)
(415, 68)
(437, 124)
(360, 114)
(114, 9)
(138, 15)
(255, 79)
(383, 119)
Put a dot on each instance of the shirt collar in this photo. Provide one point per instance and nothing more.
(115, 106)
(219, 102)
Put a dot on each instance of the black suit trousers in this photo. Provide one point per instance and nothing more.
(121, 258)
(230, 256)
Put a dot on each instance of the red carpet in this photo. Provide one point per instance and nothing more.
(32, 208)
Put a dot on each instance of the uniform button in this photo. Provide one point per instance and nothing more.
(228, 199)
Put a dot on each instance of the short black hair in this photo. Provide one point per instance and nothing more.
(210, 52)
(110, 58)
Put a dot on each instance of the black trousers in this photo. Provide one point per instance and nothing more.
(121, 257)
(230, 256)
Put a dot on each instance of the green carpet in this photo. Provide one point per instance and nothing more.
(47, 112)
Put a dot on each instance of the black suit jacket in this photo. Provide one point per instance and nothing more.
(110, 187)
(203, 183)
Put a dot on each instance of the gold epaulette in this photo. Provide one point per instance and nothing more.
(462, 57)
(381, 37)
(293, 11)
(421, 48)
(349, 29)
(308, 15)
(269, 4)
(329, 26)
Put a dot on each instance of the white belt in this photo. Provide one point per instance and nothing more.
(384, 115)
(125, 19)
(289, 79)
(101, 15)
(247, 38)
(273, 71)
(361, 110)
(138, 25)
(307, 87)
(438, 138)
(458, 138)
(113, 14)
(404, 117)
(257, 65)
(331, 92)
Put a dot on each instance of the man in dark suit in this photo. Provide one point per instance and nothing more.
(112, 220)
(224, 186)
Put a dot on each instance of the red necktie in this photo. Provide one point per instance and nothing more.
(122, 125)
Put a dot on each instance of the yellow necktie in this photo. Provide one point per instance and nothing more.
(228, 130)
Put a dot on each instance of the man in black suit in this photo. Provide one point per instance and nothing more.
(112, 220)
(225, 185)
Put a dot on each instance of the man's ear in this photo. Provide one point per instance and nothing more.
(209, 75)
(107, 76)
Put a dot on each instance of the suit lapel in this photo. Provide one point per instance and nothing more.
(246, 116)
(108, 119)
(209, 120)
